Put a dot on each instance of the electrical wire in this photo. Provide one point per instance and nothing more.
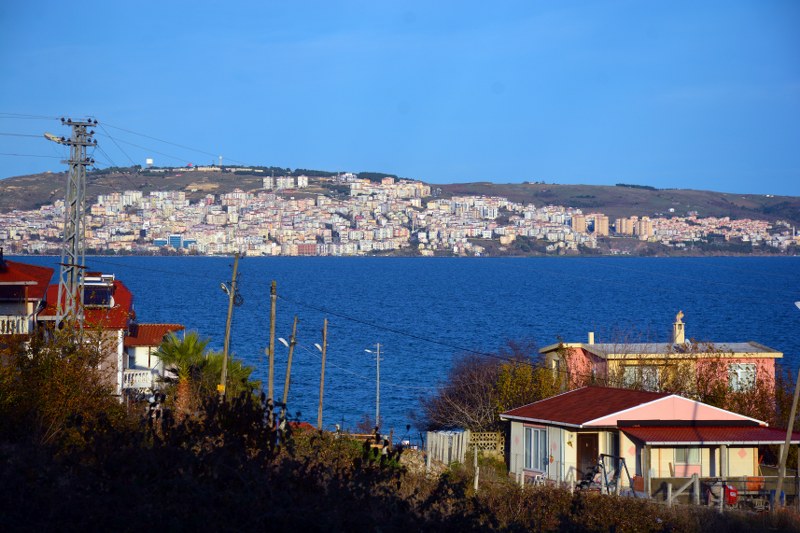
(24, 116)
(181, 159)
(361, 376)
(30, 155)
(7, 134)
(171, 143)
(133, 163)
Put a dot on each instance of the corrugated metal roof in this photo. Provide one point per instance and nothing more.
(150, 334)
(583, 405)
(707, 435)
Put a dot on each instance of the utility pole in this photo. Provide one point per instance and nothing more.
(323, 349)
(273, 296)
(377, 353)
(287, 381)
(787, 443)
(70, 281)
(231, 291)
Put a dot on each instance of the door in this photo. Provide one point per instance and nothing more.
(588, 452)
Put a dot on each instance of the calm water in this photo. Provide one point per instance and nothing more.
(426, 311)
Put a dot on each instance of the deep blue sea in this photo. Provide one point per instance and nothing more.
(426, 312)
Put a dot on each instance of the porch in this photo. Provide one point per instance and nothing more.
(14, 325)
(139, 379)
(752, 493)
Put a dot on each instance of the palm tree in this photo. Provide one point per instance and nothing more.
(238, 375)
(185, 358)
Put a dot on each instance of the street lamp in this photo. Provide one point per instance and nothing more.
(377, 354)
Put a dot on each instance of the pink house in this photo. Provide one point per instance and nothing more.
(649, 435)
(649, 365)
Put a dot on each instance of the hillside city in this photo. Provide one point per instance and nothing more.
(391, 216)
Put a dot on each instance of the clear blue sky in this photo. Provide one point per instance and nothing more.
(702, 95)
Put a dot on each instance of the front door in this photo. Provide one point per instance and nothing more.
(588, 452)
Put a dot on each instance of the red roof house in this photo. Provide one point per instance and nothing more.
(143, 366)
(22, 295)
(657, 435)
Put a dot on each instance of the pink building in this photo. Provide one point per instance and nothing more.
(650, 365)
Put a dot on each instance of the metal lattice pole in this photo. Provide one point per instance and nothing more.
(70, 281)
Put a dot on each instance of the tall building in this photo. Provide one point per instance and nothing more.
(601, 226)
(644, 228)
(623, 226)
(579, 223)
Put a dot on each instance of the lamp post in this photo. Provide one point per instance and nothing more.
(291, 344)
(377, 354)
(787, 443)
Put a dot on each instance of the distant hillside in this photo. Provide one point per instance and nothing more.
(30, 192)
(618, 201)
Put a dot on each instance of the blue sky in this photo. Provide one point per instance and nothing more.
(702, 95)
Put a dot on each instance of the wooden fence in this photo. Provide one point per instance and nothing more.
(452, 446)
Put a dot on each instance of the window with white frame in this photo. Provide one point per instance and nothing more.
(641, 375)
(536, 457)
(687, 456)
(741, 376)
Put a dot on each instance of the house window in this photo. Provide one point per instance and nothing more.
(742, 376)
(642, 376)
(536, 449)
(687, 456)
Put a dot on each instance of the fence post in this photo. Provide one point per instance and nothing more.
(475, 464)
(696, 489)
(669, 494)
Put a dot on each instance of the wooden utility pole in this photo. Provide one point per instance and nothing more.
(292, 342)
(323, 349)
(273, 296)
(785, 448)
(231, 296)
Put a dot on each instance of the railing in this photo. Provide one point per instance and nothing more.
(14, 325)
(137, 379)
(751, 492)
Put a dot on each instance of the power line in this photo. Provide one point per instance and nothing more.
(7, 134)
(172, 143)
(361, 376)
(117, 145)
(24, 116)
(31, 155)
(405, 333)
(182, 159)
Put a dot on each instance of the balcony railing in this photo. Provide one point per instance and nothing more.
(138, 379)
(14, 325)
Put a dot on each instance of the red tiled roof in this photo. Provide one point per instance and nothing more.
(15, 273)
(116, 317)
(707, 435)
(583, 405)
(150, 334)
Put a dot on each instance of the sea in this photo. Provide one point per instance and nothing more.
(427, 313)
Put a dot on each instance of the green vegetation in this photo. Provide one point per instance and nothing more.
(645, 187)
(72, 457)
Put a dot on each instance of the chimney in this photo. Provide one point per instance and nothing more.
(591, 337)
(678, 333)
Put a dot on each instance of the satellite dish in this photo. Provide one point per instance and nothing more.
(797, 304)
(224, 288)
